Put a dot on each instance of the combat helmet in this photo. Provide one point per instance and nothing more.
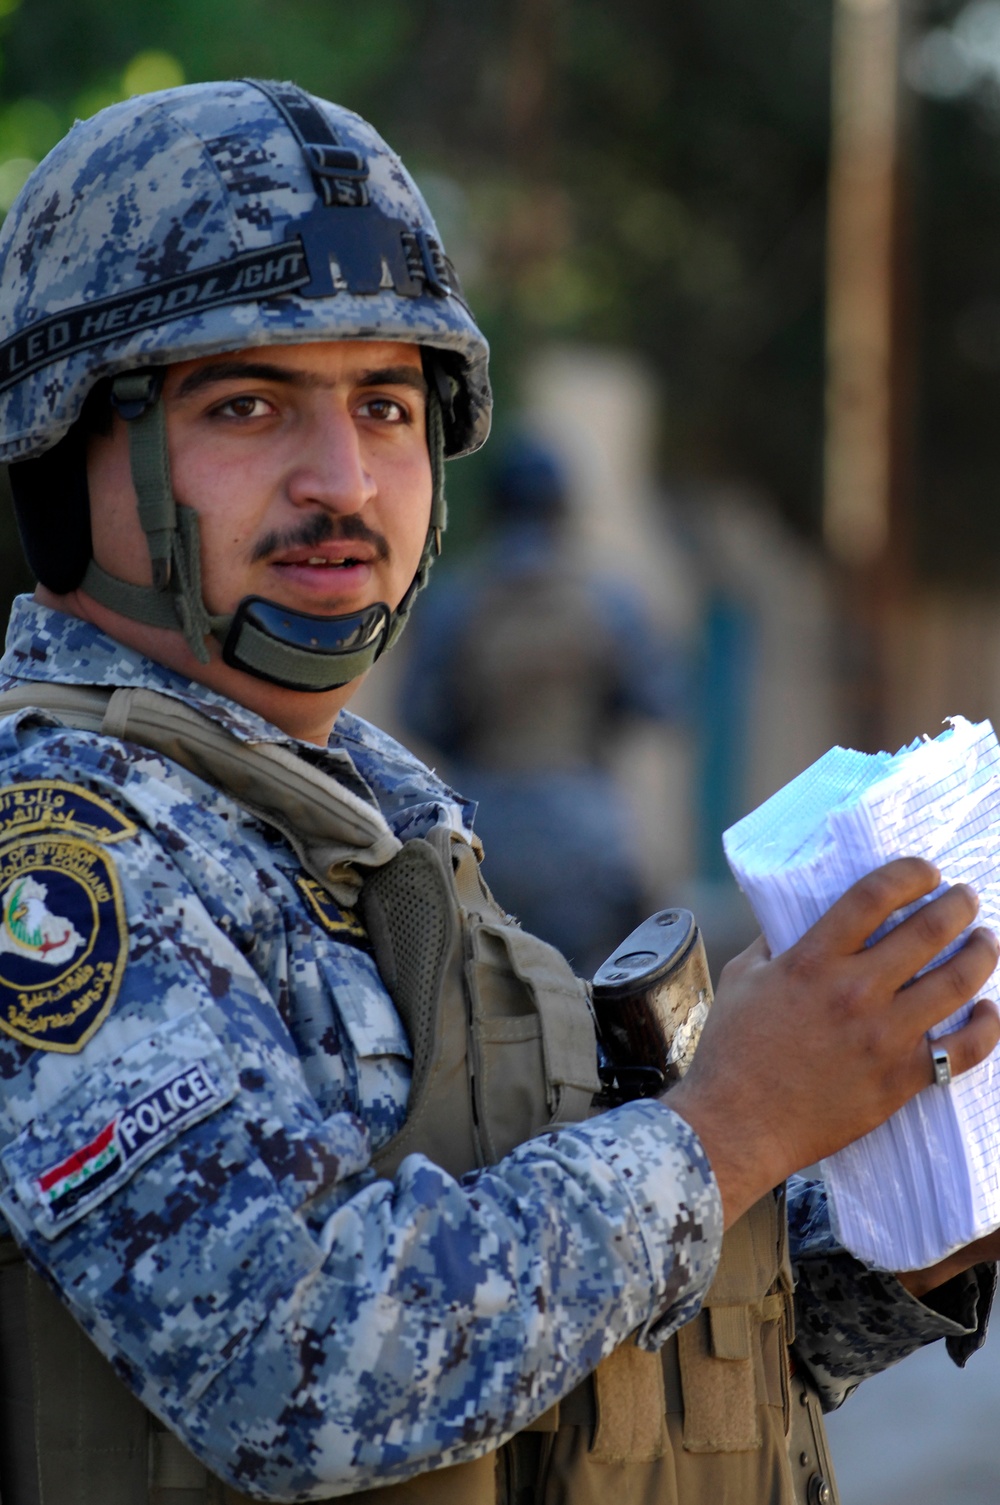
(182, 224)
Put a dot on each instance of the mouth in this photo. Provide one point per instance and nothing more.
(326, 564)
(335, 553)
(315, 561)
(334, 572)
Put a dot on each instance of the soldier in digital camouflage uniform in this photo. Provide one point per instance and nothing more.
(232, 359)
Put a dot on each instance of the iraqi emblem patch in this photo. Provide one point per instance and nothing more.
(52, 804)
(63, 939)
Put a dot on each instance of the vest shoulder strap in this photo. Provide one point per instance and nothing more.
(333, 831)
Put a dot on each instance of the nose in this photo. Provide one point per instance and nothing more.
(329, 467)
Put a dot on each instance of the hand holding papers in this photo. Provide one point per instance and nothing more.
(928, 1180)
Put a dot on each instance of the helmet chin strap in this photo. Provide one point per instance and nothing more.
(296, 649)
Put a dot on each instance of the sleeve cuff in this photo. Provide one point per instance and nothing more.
(964, 1303)
(853, 1321)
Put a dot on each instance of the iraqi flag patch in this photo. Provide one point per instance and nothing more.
(77, 1180)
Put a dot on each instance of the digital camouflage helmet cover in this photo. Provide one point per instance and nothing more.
(182, 224)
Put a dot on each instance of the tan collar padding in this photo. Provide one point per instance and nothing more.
(335, 834)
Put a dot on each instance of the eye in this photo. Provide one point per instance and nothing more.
(243, 406)
(384, 410)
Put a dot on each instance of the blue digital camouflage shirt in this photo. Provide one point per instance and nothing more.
(198, 1056)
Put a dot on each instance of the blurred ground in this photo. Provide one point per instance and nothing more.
(924, 1433)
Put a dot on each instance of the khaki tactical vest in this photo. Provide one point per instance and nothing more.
(503, 1047)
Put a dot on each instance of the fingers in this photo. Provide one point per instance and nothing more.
(946, 988)
(911, 945)
(922, 936)
(966, 1047)
(847, 924)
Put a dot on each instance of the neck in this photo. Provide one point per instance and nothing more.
(304, 715)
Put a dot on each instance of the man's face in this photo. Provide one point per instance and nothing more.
(308, 467)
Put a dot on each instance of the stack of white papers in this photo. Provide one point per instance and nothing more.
(928, 1180)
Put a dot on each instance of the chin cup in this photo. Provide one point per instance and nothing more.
(301, 651)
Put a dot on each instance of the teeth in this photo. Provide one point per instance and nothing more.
(330, 564)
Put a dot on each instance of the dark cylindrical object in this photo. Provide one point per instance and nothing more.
(651, 999)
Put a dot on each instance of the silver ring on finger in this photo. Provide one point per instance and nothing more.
(942, 1065)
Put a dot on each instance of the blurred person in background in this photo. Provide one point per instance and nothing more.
(304, 1189)
(524, 669)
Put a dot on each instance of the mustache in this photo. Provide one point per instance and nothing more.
(319, 529)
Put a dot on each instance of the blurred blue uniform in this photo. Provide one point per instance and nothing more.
(523, 670)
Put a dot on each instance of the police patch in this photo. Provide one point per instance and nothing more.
(129, 1138)
(63, 940)
(41, 804)
(344, 924)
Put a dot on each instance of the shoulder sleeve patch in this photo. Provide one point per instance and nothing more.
(99, 1134)
(342, 924)
(52, 804)
(63, 939)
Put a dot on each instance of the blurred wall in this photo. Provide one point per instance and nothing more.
(944, 659)
(599, 408)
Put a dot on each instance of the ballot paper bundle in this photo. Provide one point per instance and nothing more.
(928, 1180)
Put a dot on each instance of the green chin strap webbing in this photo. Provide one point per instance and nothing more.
(175, 601)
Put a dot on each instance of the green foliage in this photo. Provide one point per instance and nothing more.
(72, 50)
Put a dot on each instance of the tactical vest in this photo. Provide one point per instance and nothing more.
(503, 1047)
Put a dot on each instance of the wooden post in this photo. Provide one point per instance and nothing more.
(860, 263)
(869, 389)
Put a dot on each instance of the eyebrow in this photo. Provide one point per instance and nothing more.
(220, 371)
